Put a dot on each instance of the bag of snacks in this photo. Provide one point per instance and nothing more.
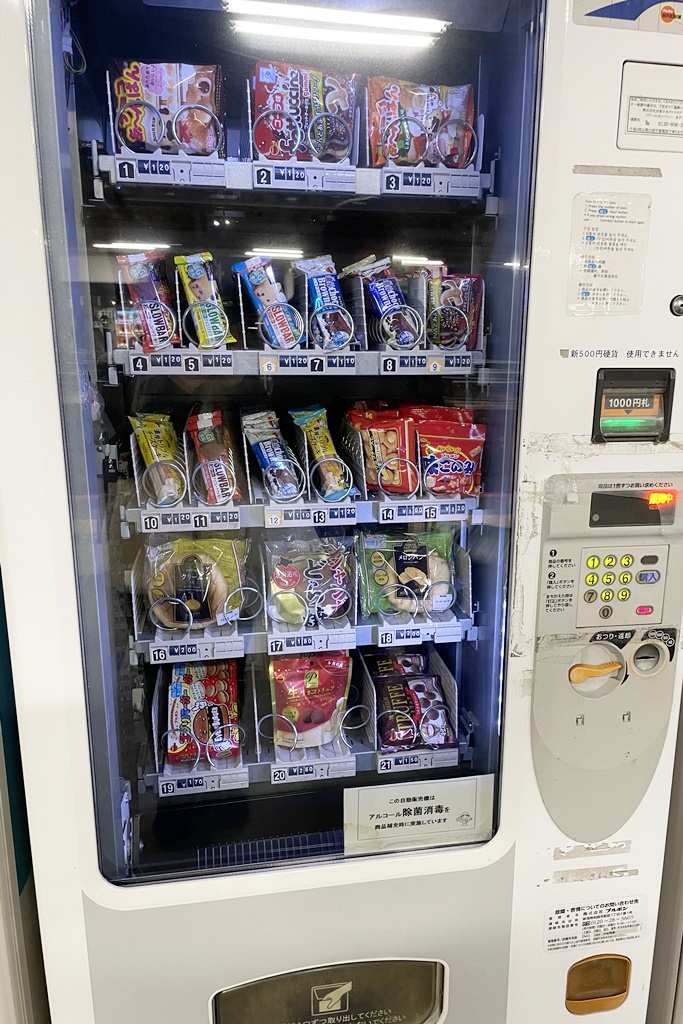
(179, 109)
(454, 303)
(213, 443)
(331, 324)
(410, 124)
(145, 276)
(158, 444)
(280, 325)
(395, 662)
(406, 572)
(199, 576)
(336, 481)
(202, 712)
(311, 693)
(412, 712)
(304, 113)
(451, 457)
(311, 581)
(389, 450)
(283, 477)
(198, 276)
(396, 323)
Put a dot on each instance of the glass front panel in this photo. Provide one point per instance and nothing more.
(289, 260)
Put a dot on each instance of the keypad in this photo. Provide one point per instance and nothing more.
(608, 589)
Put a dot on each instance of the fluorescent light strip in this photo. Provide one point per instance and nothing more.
(134, 246)
(330, 35)
(418, 261)
(277, 254)
(299, 12)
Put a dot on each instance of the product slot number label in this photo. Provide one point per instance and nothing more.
(419, 512)
(301, 363)
(403, 762)
(209, 520)
(304, 772)
(321, 640)
(172, 652)
(399, 635)
(207, 783)
(426, 363)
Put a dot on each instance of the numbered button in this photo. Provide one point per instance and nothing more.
(608, 578)
(625, 577)
(590, 596)
(605, 611)
(626, 561)
(624, 594)
(607, 595)
(609, 561)
(592, 561)
(591, 579)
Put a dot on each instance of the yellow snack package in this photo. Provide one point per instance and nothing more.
(158, 443)
(198, 276)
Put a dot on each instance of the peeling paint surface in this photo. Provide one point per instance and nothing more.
(594, 874)
(580, 850)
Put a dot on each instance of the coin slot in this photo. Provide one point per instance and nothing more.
(648, 659)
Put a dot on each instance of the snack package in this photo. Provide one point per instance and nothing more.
(331, 324)
(396, 139)
(213, 443)
(412, 712)
(202, 712)
(198, 276)
(128, 328)
(458, 323)
(389, 450)
(311, 581)
(451, 413)
(164, 90)
(145, 276)
(336, 483)
(302, 95)
(202, 574)
(283, 477)
(451, 456)
(281, 324)
(311, 693)
(395, 662)
(406, 572)
(399, 325)
(158, 443)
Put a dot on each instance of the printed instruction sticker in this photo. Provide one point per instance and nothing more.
(588, 924)
(411, 815)
(651, 108)
(641, 15)
(608, 252)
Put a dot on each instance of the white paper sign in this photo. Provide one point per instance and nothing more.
(587, 924)
(651, 109)
(608, 253)
(413, 815)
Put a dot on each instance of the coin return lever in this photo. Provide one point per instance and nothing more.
(633, 405)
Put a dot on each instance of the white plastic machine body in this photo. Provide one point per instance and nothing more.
(582, 806)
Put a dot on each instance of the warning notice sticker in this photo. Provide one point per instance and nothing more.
(588, 924)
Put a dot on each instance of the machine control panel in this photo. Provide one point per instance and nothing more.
(621, 584)
(610, 604)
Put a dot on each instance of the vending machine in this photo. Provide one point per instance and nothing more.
(340, 521)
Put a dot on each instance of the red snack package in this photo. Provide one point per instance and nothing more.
(451, 456)
(303, 95)
(389, 442)
(438, 412)
(396, 663)
(145, 276)
(209, 430)
(453, 309)
(396, 109)
(311, 693)
(202, 712)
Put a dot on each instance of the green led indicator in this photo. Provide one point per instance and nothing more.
(624, 425)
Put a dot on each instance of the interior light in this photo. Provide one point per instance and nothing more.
(300, 12)
(226, 222)
(418, 261)
(216, 223)
(277, 254)
(514, 263)
(330, 35)
(134, 246)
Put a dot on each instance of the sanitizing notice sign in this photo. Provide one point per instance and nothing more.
(608, 252)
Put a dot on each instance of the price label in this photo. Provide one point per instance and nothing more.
(278, 515)
(306, 771)
(420, 511)
(215, 362)
(160, 653)
(297, 363)
(399, 635)
(403, 762)
(314, 640)
(334, 515)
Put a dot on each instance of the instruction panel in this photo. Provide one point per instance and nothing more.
(608, 252)
(651, 108)
(587, 924)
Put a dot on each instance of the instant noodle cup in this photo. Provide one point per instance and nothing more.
(202, 712)
(312, 694)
